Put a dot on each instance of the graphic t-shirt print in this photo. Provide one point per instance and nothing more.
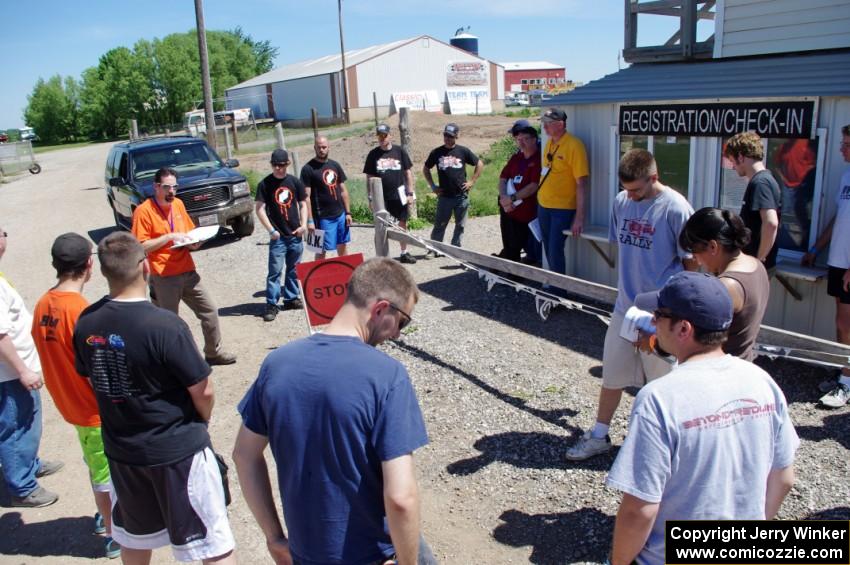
(449, 162)
(388, 164)
(283, 198)
(637, 232)
(110, 374)
(330, 179)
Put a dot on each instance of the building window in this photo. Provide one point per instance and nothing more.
(524, 81)
(551, 81)
(795, 166)
(672, 155)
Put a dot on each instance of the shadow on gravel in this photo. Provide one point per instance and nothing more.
(247, 309)
(552, 416)
(561, 537)
(837, 513)
(528, 450)
(64, 536)
(577, 331)
(835, 427)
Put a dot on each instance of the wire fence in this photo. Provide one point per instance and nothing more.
(17, 157)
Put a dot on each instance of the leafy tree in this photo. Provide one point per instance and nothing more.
(50, 111)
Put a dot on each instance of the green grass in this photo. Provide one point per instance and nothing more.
(270, 141)
(46, 148)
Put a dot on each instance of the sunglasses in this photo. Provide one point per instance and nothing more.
(405, 321)
(658, 314)
(4, 234)
(280, 165)
(168, 186)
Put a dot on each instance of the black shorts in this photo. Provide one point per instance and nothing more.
(181, 504)
(397, 210)
(835, 285)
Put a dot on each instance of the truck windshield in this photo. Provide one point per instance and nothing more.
(180, 158)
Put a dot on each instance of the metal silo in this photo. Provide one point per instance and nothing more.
(465, 40)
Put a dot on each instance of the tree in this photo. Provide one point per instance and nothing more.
(264, 53)
(50, 110)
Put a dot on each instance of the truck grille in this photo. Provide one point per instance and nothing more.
(198, 199)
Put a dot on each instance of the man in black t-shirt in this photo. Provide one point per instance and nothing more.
(393, 166)
(330, 209)
(762, 205)
(451, 160)
(281, 206)
(155, 400)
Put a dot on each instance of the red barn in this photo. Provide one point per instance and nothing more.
(534, 75)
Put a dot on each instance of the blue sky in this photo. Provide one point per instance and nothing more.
(48, 37)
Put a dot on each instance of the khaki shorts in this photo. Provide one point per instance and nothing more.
(623, 365)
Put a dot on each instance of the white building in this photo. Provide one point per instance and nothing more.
(407, 67)
(780, 68)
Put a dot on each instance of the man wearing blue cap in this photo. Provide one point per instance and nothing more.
(711, 440)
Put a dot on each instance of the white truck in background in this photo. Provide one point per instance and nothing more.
(195, 122)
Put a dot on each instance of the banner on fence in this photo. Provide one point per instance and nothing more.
(469, 100)
(427, 100)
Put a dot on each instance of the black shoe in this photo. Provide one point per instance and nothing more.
(270, 314)
(407, 258)
(48, 468)
(295, 304)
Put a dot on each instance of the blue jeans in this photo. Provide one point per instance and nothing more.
(446, 206)
(553, 222)
(20, 434)
(286, 249)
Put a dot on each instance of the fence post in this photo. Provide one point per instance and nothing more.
(227, 149)
(295, 163)
(235, 136)
(315, 118)
(134, 129)
(375, 106)
(376, 195)
(278, 133)
(404, 135)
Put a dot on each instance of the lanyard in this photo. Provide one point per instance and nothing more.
(170, 217)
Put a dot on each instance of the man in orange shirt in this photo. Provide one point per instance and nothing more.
(160, 223)
(54, 320)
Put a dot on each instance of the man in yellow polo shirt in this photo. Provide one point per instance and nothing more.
(159, 223)
(564, 187)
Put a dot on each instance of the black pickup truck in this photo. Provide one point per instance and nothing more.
(213, 193)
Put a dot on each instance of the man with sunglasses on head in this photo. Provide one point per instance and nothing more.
(343, 421)
(159, 223)
(712, 440)
(393, 166)
(646, 220)
(281, 206)
(564, 186)
(453, 193)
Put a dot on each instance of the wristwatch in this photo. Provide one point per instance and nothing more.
(513, 197)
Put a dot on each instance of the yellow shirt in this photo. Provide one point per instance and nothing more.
(568, 163)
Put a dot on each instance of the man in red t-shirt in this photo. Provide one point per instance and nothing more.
(160, 223)
(518, 184)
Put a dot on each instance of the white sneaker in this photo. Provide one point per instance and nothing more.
(587, 447)
(837, 397)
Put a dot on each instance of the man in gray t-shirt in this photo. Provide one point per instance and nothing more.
(712, 440)
(646, 219)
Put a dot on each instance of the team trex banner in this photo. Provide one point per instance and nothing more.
(763, 542)
(768, 119)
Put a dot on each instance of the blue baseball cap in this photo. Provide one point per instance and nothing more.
(518, 126)
(698, 298)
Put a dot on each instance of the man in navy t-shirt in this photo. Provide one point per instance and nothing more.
(342, 420)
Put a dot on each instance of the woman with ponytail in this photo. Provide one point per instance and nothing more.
(716, 238)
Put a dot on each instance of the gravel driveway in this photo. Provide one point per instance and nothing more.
(503, 394)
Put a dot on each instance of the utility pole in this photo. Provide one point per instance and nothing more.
(205, 73)
(344, 77)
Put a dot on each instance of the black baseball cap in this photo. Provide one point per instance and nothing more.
(280, 157)
(383, 129)
(451, 129)
(70, 251)
(698, 298)
(554, 115)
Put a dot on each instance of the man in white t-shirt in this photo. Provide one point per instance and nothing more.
(20, 418)
(714, 417)
(837, 235)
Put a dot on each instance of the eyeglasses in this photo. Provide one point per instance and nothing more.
(279, 165)
(844, 145)
(403, 323)
(168, 186)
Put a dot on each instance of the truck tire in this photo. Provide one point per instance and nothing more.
(243, 226)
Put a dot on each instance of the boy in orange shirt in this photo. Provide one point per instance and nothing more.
(54, 320)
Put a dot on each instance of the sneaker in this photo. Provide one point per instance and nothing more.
(48, 468)
(433, 254)
(407, 258)
(36, 499)
(99, 524)
(270, 314)
(294, 304)
(588, 447)
(223, 358)
(111, 548)
(837, 397)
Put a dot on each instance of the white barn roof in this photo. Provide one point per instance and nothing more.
(532, 66)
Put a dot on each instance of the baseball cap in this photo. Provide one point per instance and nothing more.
(451, 129)
(554, 115)
(383, 129)
(280, 156)
(70, 251)
(530, 130)
(698, 298)
(518, 126)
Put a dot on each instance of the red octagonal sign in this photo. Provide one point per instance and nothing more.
(325, 285)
